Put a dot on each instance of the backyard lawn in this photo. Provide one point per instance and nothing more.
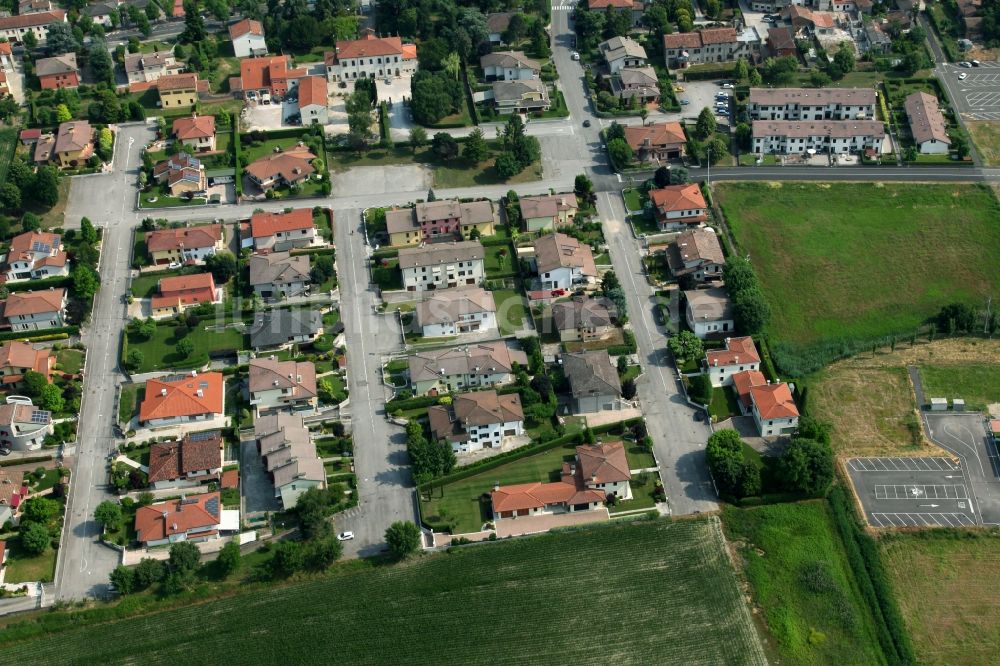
(265, 148)
(500, 261)
(160, 351)
(858, 262)
(70, 360)
(510, 310)
(639, 457)
(724, 404)
(633, 201)
(24, 568)
(146, 286)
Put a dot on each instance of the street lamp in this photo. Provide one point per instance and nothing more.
(708, 158)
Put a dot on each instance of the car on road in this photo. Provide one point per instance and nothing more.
(728, 86)
(174, 264)
(678, 88)
(576, 56)
(345, 536)
(685, 102)
(962, 76)
(965, 63)
(586, 123)
(4, 452)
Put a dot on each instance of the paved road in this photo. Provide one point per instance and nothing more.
(385, 486)
(84, 563)
(965, 436)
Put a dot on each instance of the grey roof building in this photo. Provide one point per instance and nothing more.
(279, 272)
(593, 380)
(282, 326)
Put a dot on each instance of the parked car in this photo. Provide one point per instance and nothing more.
(174, 264)
(685, 102)
(4, 452)
(345, 536)
(586, 123)
(976, 63)
(965, 63)
(576, 56)
(728, 86)
(961, 76)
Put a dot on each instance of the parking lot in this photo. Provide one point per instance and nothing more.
(965, 436)
(699, 95)
(978, 96)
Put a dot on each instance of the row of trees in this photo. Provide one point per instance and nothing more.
(428, 458)
(751, 312)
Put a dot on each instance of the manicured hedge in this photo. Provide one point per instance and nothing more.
(25, 461)
(62, 281)
(412, 403)
(41, 336)
(629, 346)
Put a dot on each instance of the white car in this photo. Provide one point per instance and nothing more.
(345, 536)
(174, 264)
(576, 56)
(965, 63)
(961, 76)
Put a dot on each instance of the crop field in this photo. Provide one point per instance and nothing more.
(798, 571)
(941, 582)
(640, 593)
(847, 263)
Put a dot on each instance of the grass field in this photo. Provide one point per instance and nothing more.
(978, 384)
(862, 261)
(939, 578)
(128, 401)
(800, 578)
(24, 568)
(986, 135)
(671, 587)
(69, 360)
(160, 351)
(145, 286)
(510, 310)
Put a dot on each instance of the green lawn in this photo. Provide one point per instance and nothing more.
(642, 486)
(510, 310)
(265, 148)
(127, 407)
(633, 201)
(386, 274)
(159, 197)
(147, 285)
(460, 503)
(977, 384)
(645, 224)
(639, 457)
(799, 576)
(500, 260)
(857, 262)
(724, 403)
(632, 372)
(160, 351)
(22, 568)
(654, 570)
(70, 360)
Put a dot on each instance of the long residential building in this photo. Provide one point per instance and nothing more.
(811, 103)
(436, 221)
(927, 124)
(442, 265)
(14, 28)
(486, 364)
(289, 456)
(370, 57)
(786, 137)
(682, 49)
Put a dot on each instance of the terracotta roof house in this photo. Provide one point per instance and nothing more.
(709, 312)
(483, 365)
(279, 275)
(30, 136)
(696, 255)
(149, 67)
(74, 143)
(284, 169)
(452, 312)
(657, 141)
(370, 56)
(14, 28)
(24, 427)
(177, 293)
(12, 492)
(781, 42)
(739, 355)
(195, 518)
(439, 221)
(742, 381)
(267, 75)
(35, 255)
(282, 386)
(927, 124)
(17, 358)
(34, 310)
(477, 420)
(593, 381)
(771, 404)
(247, 37)
(192, 460)
(281, 231)
(182, 399)
(313, 101)
(548, 211)
(189, 245)
(180, 90)
(181, 174)
(563, 262)
(583, 319)
(196, 132)
(282, 327)
(605, 466)
(678, 206)
(58, 72)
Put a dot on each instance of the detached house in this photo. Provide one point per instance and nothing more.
(283, 327)
(284, 169)
(180, 292)
(771, 404)
(927, 124)
(279, 275)
(438, 221)
(313, 106)
(656, 142)
(74, 144)
(509, 66)
(150, 67)
(18, 358)
(520, 96)
(289, 456)
(181, 174)
(697, 255)
(195, 518)
(35, 255)
(584, 319)
(621, 52)
(370, 57)
(179, 90)
(638, 83)
(678, 206)
(442, 265)
(184, 245)
(195, 132)
(477, 420)
(266, 76)
(271, 232)
(277, 386)
(195, 459)
(709, 312)
(548, 212)
(739, 355)
(563, 262)
(58, 72)
(182, 399)
(481, 365)
(593, 381)
(450, 312)
(34, 310)
(248, 38)
(24, 427)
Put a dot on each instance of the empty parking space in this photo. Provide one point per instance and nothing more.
(964, 434)
(901, 464)
(921, 520)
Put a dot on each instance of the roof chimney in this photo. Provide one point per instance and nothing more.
(163, 392)
(200, 393)
(496, 486)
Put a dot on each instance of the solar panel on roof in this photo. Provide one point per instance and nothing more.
(38, 246)
(203, 385)
(212, 506)
(201, 436)
(40, 416)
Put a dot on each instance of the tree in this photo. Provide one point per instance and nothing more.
(60, 39)
(614, 131)
(476, 150)
(705, 126)
(10, 196)
(507, 166)
(40, 510)
(779, 71)
(105, 144)
(755, 77)
(583, 187)
(311, 508)
(322, 269)
(123, 579)
(744, 136)
(52, 399)
(444, 146)
(734, 475)
(540, 40)
(85, 282)
(222, 266)
(844, 58)
(30, 41)
(741, 71)
(434, 95)
(738, 274)
(806, 466)
(185, 348)
(88, 233)
(686, 346)
(403, 538)
(418, 138)
(134, 360)
(620, 152)
(45, 184)
(34, 538)
(517, 28)
(321, 554)
(661, 177)
(628, 389)
(960, 144)
(617, 22)
(184, 557)
(812, 428)
(34, 382)
(63, 114)
(101, 65)
(148, 572)
(194, 24)
(108, 513)
(229, 558)
(751, 312)
(287, 559)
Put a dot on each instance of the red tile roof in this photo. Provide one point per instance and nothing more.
(537, 495)
(6, 49)
(10, 487)
(738, 350)
(185, 237)
(30, 134)
(995, 426)
(245, 26)
(604, 4)
(177, 81)
(169, 461)
(263, 225)
(312, 90)
(198, 515)
(33, 302)
(230, 479)
(185, 290)
(290, 166)
(744, 381)
(603, 463)
(21, 355)
(194, 127)
(657, 134)
(265, 71)
(31, 20)
(369, 46)
(177, 397)
(774, 401)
